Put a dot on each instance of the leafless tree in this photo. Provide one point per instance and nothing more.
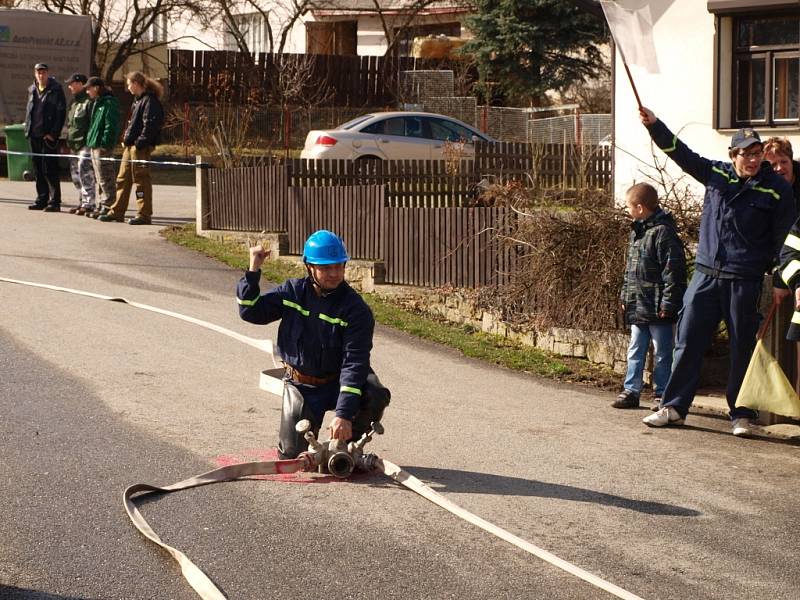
(278, 17)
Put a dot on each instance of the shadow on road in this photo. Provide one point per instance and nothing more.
(8, 592)
(759, 433)
(470, 482)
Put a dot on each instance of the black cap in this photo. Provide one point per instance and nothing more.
(744, 138)
(41, 67)
(76, 77)
(95, 81)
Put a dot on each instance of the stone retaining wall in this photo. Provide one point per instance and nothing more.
(599, 347)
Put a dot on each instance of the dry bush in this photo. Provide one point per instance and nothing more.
(569, 267)
(677, 198)
(454, 154)
(224, 127)
(571, 253)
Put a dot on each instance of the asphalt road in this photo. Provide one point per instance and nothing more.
(95, 396)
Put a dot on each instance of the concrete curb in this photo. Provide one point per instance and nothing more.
(714, 406)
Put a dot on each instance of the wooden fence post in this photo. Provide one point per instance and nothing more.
(202, 207)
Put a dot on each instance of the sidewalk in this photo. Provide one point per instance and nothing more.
(717, 406)
(172, 204)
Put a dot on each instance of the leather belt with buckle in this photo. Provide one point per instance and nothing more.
(299, 377)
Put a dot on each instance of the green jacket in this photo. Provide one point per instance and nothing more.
(104, 130)
(79, 115)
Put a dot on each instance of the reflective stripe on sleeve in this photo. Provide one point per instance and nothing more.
(790, 271)
(769, 191)
(332, 320)
(726, 175)
(248, 302)
(674, 145)
(352, 390)
(297, 307)
(792, 241)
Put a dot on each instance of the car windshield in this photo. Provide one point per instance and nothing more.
(352, 123)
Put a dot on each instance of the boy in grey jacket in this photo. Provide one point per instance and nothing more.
(652, 291)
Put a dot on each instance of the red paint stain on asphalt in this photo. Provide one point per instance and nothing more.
(262, 455)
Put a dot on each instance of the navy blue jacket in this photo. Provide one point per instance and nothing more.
(319, 336)
(744, 221)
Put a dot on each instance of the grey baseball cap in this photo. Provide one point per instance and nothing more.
(41, 67)
(744, 138)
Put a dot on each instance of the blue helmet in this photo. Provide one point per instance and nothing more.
(324, 248)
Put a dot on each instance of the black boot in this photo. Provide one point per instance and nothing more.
(375, 400)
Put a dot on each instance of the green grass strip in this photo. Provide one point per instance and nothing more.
(491, 348)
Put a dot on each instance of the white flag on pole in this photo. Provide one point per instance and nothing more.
(631, 25)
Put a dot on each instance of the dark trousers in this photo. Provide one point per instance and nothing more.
(707, 301)
(321, 399)
(313, 402)
(48, 184)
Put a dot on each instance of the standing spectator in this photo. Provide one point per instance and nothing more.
(652, 291)
(778, 152)
(102, 137)
(747, 212)
(141, 136)
(44, 119)
(79, 114)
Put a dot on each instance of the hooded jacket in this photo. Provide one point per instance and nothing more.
(655, 272)
(144, 127)
(744, 220)
(104, 129)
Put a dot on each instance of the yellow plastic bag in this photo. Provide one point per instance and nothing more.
(765, 386)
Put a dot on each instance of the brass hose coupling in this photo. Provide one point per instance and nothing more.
(335, 456)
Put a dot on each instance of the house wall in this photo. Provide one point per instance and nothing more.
(371, 38)
(681, 95)
(186, 35)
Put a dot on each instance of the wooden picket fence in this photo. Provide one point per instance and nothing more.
(419, 245)
(419, 218)
(208, 75)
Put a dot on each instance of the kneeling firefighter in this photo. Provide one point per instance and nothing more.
(324, 340)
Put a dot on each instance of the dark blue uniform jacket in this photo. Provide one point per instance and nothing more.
(744, 222)
(319, 336)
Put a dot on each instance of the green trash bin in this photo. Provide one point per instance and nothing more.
(17, 142)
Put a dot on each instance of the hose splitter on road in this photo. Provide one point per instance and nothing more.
(333, 456)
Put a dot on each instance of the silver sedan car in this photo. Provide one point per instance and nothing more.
(394, 136)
